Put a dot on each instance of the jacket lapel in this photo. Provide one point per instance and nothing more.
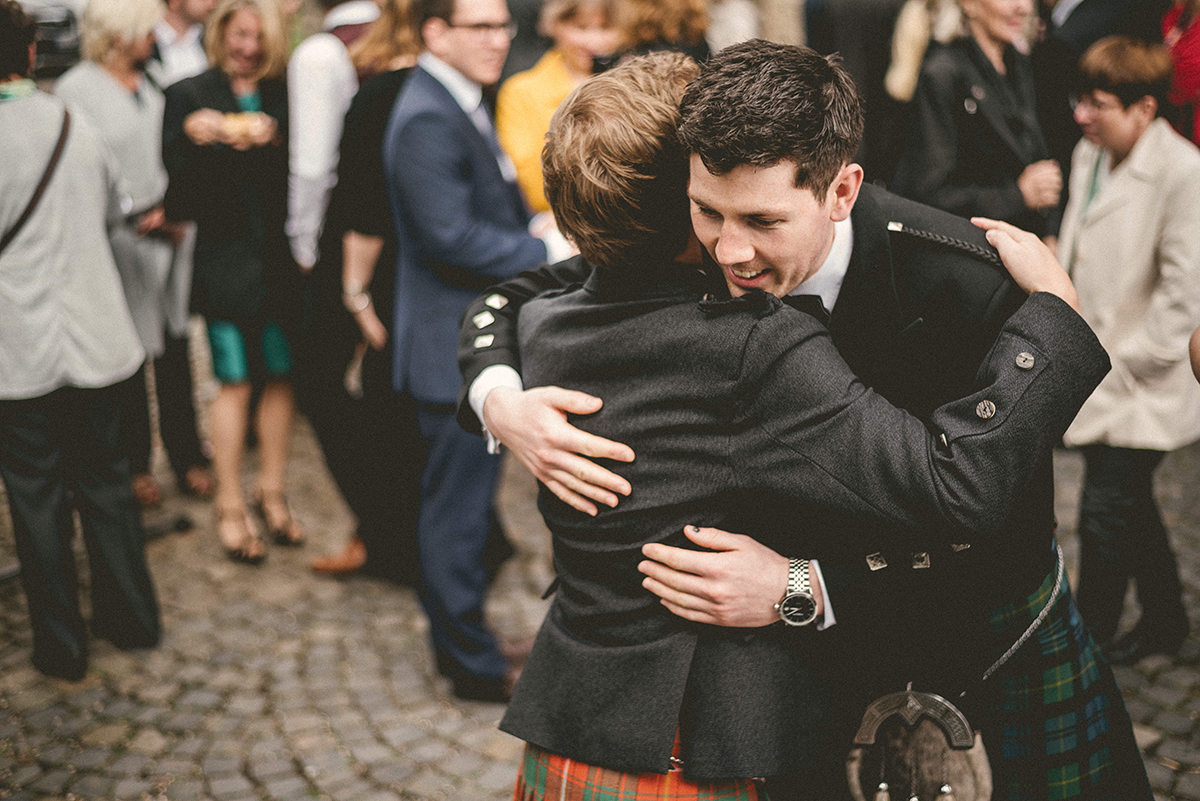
(868, 307)
(1130, 180)
(982, 92)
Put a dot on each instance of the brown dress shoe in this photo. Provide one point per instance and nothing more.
(345, 563)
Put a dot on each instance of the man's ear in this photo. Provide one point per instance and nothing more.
(843, 192)
(433, 32)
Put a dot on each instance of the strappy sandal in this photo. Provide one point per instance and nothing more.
(288, 532)
(253, 550)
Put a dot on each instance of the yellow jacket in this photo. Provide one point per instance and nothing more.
(524, 107)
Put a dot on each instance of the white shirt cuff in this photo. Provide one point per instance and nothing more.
(830, 618)
(498, 375)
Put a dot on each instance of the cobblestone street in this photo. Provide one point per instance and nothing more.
(273, 683)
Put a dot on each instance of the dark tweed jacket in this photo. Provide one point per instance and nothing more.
(743, 416)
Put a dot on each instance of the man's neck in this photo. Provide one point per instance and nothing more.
(179, 23)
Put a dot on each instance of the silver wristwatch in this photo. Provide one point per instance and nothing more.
(797, 607)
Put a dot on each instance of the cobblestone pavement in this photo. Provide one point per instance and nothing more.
(272, 683)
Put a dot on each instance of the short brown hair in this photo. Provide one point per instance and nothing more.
(650, 22)
(615, 175)
(425, 10)
(274, 60)
(1128, 68)
(762, 103)
(17, 33)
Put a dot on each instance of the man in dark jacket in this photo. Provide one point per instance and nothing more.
(916, 306)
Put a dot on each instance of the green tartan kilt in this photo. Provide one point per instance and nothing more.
(1055, 726)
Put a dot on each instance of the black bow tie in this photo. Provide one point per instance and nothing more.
(809, 304)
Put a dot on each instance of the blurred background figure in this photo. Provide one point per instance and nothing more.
(225, 149)
(178, 50)
(1069, 28)
(368, 432)
(1130, 241)
(126, 108)
(389, 43)
(68, 343)
(582, 31)
(1181, 35)
(975, 146)
(321, 82)
(645, 26)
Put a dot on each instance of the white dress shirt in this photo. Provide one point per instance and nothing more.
(321, 84)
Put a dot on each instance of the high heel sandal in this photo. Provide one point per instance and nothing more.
(288, 533)
(253, 550)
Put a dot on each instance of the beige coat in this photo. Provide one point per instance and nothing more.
(1137, 269)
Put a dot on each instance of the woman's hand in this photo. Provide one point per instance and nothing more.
(204, 127)
(1030, 263)
(248, 130)
(1041, 184)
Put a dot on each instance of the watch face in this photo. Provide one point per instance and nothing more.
(797, 609)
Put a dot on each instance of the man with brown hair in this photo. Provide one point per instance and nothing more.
(916, 306)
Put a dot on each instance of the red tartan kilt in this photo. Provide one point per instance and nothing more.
(550, 777)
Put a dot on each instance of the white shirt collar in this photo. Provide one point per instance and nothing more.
(826, 282)
(465, 92)
(354, 12)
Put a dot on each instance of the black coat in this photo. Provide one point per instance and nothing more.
(612, 673)
(971, 133)
(238, 199)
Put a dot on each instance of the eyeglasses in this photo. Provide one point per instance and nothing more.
(1089, 102)
(509, 29)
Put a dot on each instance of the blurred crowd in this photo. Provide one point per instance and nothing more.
(284, 170)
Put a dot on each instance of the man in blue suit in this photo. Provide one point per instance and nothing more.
(462, 225)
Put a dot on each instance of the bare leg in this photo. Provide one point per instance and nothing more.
(276, 409)
(230, 414)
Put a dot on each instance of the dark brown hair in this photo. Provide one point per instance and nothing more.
(425, 10)
(762, 103)
(615, 175)
(17, 33)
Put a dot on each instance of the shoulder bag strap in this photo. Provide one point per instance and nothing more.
(46, 176)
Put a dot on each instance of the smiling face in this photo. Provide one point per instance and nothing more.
(764, 231)
(476, 40)
(243, 43)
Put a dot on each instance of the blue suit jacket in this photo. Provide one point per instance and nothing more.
(460, 227)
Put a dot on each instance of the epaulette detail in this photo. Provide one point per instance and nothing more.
(987, 254)
(758, 303)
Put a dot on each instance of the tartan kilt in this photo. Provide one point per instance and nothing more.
(1055, 726)
(550, 777)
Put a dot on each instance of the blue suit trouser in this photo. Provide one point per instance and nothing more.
(457, 486)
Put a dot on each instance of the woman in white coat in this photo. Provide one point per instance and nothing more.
(1129, 239)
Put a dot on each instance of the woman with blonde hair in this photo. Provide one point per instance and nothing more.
(389, 44)
(582, 30)
(225, 148)
(125, 107)
(975, 145)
